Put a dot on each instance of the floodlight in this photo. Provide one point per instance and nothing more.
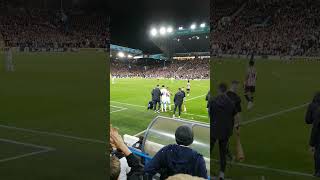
(180, 28)
(130, 56)
(153, 32)
(202, 25)
(121, 54)
(162, 31)
(169, 30)
(193, 26)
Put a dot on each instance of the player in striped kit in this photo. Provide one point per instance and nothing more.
(250, 83)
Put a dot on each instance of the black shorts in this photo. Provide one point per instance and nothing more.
(251, 89)
(188, 90)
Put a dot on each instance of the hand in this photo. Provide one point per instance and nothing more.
(117, 141)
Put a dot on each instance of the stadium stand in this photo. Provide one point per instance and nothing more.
(278, 28)
(150, 68)
(48, 30)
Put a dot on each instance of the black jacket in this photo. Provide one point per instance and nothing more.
(313, 106)
(178, 98)
(315, 132)
(221, 112)
(235, 98)
(136, 172)
(208, 98)
(156, 93)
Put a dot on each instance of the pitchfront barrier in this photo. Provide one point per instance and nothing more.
(161, 132)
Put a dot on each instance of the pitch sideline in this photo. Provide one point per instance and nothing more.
(44, 149)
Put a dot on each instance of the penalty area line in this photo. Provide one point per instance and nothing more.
(289, 172)
(53, 134)
(44, 149)
(275, 114)
(196, 97)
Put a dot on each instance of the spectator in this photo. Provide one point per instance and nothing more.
(136, 170)
(178, 158)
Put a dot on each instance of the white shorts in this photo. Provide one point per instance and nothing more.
(164, 100)
(168, 100)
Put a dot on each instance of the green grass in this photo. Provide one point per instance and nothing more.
(134, 95)
(63, 93)
(279, 141)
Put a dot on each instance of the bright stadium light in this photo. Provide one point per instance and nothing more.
(193, 26)
(169, 30)
(202, 25)
(162, 31)
(153, 32)
(121, 54)
(180, 28)
(130, 56)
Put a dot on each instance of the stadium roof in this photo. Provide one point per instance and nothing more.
(125, 49)
(131, 20)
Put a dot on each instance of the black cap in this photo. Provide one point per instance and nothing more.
(184, 135)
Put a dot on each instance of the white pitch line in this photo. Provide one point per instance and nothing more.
(26, 144)
(24, 155)
(273, 169)
(122, 109)
(128, 104)
(196, 115)
(145, 107)
(44, 150)
(53, 134)
(196, 97)
(274, 114)
(116, 106)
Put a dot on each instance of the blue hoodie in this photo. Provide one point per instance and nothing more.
(175, 159)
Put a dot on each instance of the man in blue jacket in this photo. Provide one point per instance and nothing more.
(178, 158)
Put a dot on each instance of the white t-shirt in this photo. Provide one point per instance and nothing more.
(164, 93)
(125, 169)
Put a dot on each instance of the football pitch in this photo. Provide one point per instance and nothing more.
(130, 96)
(274, 135)
(52, 123)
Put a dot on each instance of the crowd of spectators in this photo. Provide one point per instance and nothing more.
(178, 69)
(43, 29)
(280, 28)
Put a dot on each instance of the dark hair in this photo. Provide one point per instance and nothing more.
(251, 63)
(316, 98)
(222, 87)
(114, 168)
(184, 135)
(157, 85)
(162, 85)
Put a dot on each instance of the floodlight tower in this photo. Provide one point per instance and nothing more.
(162, 37)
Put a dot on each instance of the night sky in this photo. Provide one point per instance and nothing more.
(131, 20)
